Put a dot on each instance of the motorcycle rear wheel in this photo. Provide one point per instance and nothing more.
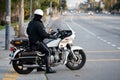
(18, 67)
(73, 64)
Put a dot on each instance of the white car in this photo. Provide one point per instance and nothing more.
(90, 13)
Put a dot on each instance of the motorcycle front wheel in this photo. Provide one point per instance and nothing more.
(74, 64)
(18, 67)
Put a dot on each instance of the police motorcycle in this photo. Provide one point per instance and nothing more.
(62, 49)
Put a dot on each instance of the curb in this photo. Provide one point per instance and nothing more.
(4, 54)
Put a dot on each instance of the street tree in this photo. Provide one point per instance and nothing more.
(21, 19)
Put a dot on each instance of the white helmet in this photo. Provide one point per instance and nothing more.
(38, 12)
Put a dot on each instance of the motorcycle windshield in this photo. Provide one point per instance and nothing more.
(60, 26)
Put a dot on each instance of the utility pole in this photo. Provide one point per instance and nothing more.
(8, 20)
(51, 11)
(21, 19)
(61, 7)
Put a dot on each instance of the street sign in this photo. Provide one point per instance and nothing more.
(8, 18)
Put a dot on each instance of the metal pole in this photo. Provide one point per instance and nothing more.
(61, 7)
(30, 9)
(61, 10)
(51, 13)
(8, 20)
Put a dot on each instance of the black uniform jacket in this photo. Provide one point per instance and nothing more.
(36, 31)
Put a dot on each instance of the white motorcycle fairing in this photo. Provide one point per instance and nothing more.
(76, 48)
(53, 43)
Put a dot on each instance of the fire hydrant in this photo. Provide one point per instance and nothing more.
(16, 30)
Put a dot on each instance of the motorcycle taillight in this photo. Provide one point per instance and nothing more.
(12, 48)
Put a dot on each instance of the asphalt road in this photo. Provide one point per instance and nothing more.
(99, 35)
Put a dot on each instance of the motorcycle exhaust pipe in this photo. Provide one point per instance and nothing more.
(31, 66)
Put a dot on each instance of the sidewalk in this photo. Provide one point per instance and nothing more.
(5, 53)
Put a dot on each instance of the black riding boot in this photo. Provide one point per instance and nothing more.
(40, 69)
(48, 68)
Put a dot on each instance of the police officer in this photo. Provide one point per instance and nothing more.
(36, 34)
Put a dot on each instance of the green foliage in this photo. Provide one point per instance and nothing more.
(14, 4)
(98, 9)
(118, 1)
(55, 4)
(2, 27)
(116, 6)
(2, 6)
(2, 12)
(45, 4)
(63, 4)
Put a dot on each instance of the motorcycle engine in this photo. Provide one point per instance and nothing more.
(52, 58)
(55, 56)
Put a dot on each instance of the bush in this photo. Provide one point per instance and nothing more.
(3, 22)
(115, 9)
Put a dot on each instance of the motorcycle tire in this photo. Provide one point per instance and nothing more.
(18, 67)
(73, 64)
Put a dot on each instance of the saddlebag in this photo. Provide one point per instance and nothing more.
(30, 53)
(28, 57)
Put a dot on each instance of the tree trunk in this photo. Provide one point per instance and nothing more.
(21, 19)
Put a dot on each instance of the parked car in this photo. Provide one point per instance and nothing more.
(90, 13)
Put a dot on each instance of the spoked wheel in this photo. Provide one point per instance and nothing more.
(75, 64)
(18, 67)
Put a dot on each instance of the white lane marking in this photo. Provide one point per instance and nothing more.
(118, 47)
(108, 42)
(101, 39)
(98, 37)
(84, 28)
(104, 40)
(113, 45)
(103, 60)
(102, 51)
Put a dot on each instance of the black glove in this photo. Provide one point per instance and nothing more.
(53, 37)
(53, 32)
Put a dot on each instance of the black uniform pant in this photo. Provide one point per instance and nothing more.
(45, 50)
